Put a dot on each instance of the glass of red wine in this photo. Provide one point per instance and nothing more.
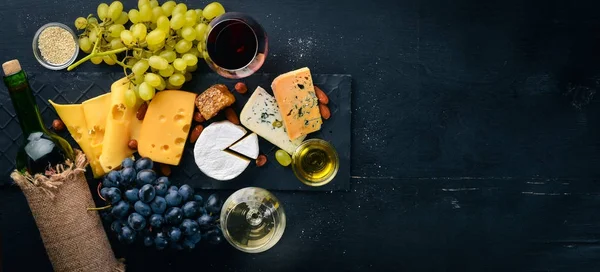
(236, 45)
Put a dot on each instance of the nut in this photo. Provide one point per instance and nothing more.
(325, 113)
(240, 87)
(141, 112)
(133, 144)
(196, 133)
(198, 117)
(323, 99)
(232, 116)
(58, 125)
(165, 169)
(261, 160)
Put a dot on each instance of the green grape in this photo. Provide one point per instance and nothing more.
(192, 14)
(156, 13)
(162, 84)
(181, 8)
(134, 16)
(130, 98)
(143, 3)
(177, 79)
(169, 55)
(115, 30)
(158, 62)
(188, 33)
(146, 91)
(188, 76)
(213, 10)
(194, 51)
(114, 10)
(85, 44)
(109, 59)
(169, 46)
(201, 31)
(167, 72)
(183, 46)
(155, 37)
(131, 61)
(127, 38)
(136, 90)
(152, 79)
(199, 16)
(168, 7)
(190, 59)
(140, 67)
(179, 64)
(156, 47)
(102, 11)
(177, 21)
(163, 24)
(283, 157)
(96, 60)
(81, 23)
(189, 21)
(192, 68)
(137, 80)
(173, 87)
(139, 32)
(153, 3)
(123, 19)
(145, 13)
(92, 21)
(116, 44)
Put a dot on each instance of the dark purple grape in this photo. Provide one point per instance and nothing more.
(144, 163)
(173, 199)
(174, 234)
(120, 210)
(189, 227)
(191, 209)
(146, 176)
(164, 180)
(136, 221)
(161, 189)
(158, 205)
(147, 193)
(205, 222)
(132, 195)
(160, 241)
(142, 208)
(127, 235)
(128, 176)
(156, 220)
(186, 192)
(174, 216)
(214, 236)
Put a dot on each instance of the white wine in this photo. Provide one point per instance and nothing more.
(252, 220)
(315, 162)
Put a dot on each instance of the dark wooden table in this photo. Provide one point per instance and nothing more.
(476, 137)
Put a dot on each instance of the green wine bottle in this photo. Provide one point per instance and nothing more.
(41, 148)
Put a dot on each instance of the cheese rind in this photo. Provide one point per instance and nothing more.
(164, 131)
(262, 116)
(117, 135)
(299, 105)
(248, 146)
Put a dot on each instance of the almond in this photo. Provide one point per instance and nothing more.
(141, 112)
(232, 116)
(58, 125)
(241, 87)
(165, 169)
(261, 160)
(323, 99)
(325, 113)
(198, 117)
(196, 133)
(133, 144)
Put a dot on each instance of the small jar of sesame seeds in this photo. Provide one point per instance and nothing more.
(55, 46)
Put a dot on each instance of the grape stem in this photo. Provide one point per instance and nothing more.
(95, 54)
(99, 208)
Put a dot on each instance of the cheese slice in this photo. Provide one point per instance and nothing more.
(248, 146)
(299, 105)
(210, 154)
(74, 119)
(262, 116)
(166, 125)
(95, 111)
(118, 122)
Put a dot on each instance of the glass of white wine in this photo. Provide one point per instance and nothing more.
(252, 220)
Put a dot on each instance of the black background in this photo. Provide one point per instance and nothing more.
(475, 137)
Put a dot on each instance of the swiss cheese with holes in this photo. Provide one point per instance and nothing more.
(166, 125)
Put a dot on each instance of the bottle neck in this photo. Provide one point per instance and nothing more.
(24, 103)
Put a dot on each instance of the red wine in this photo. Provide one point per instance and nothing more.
(232, 44)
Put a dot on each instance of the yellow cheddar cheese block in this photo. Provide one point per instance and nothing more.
(298, 103)
(166, 126)
(118, 124)
(95, 111)
(74, 119)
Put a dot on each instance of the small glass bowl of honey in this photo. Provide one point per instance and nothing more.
(315, 162)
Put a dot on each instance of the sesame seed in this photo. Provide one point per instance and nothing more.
(56, 45)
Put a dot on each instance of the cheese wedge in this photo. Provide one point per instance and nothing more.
(118, 124)
(262, 116)
(248, 146)
(211, 155)
(95, 111)
(166, 125)
(299, 105)
(74, 119)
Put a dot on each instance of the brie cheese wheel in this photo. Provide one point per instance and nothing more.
(247, 146)
(211, 155)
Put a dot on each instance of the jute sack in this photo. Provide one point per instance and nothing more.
(73, 236)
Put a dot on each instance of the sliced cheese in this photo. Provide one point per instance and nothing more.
(74, 119)
(118, 124)
(299, 105)
(210, 154)
(95, 111)
(248, 146)
(262, 116)
(166, 125)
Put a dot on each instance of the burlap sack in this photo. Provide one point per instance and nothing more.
(73, 236)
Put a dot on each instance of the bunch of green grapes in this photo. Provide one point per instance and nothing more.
(157, 45)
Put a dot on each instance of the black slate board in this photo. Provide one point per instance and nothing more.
(77, 87)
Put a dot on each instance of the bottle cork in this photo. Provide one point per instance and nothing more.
(11, 67)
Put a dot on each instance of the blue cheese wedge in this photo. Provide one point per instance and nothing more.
(262, 116)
